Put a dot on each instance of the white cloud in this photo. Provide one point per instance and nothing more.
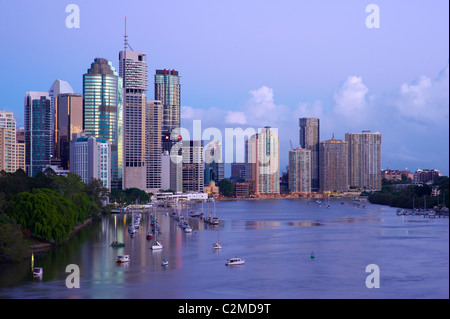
(313, 109)
(188, 112)
(424, 100)
(233, 117)
(413, 114)
(350, 100)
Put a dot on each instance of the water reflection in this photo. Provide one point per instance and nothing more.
(307, 223)
(266, 235)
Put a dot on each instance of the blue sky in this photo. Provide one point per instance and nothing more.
(256, 63)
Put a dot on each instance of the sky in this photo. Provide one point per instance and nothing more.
(250, 64)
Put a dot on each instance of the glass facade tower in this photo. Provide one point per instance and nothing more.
(103, 111)
(167, 90)
(38, 132)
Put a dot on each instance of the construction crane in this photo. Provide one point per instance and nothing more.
(291, 144)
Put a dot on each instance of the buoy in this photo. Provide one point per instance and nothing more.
(312, 255)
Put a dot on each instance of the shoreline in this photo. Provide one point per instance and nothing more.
(347, 195)
(48, 245)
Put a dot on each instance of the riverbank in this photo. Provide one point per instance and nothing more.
(37, 245)
(346, 195)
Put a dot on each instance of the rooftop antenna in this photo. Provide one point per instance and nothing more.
(126, 44)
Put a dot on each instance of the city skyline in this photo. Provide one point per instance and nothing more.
(393, 79)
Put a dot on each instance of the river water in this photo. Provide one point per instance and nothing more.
(276, 239)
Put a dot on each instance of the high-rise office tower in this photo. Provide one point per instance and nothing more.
(309, 140)
(214, 165)
(38, 132)
(364, 159)
(333, 165)
(300, 170)
(167, 90)
(58, 87)
(153, 150)
(263, 159)
(68, 120)
(193, 178)
(103, 111)
(133, 70)
(91, 158)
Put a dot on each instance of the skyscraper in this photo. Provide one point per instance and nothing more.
(214, 165)
(153, 149)
(333, 166)
(167, 90)
(193, 178)
(58, 87)
(38, 132)
(10, 149)
(300, 170)
(263, 159)
(91, 158)
(133, 70)
(103, 111)
(309, 140)
(364, 159)
(68, 120)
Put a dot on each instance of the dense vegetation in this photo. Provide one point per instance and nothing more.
(413, 196)
(226, 187)
(130, 196)
(47, 207)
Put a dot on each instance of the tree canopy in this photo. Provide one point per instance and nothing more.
(47, 206)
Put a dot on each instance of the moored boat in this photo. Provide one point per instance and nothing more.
(122, 258)
(157, 245)
(116, 244)
(235, 261)
(188, 229)
(38, 272)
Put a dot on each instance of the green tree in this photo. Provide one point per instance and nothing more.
(226, 187)
(13, 247)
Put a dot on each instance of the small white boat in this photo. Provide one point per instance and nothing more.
(217, 246)
(157, 245)
(122, 258)
(235, 261)
(165, 262)
(188, 229)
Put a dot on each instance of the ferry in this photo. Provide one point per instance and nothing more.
(235, 261)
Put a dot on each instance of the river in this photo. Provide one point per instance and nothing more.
(275, 237)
